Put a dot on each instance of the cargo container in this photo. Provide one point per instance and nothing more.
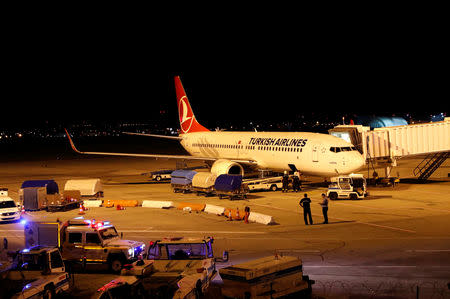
(33, 198)
(87, 187)
(181, 180)
(203, 183)
(268, 277)
(230, 185)
(51, 187)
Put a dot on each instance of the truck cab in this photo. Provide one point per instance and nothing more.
(190, 261)
(86, 241)
(174, 268)
(36, 271)
(351, 186)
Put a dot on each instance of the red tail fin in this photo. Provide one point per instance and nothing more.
(188, 123)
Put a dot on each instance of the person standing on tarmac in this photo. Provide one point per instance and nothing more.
(296, 182)
(305, 203)
(324, 205)
(285, 182)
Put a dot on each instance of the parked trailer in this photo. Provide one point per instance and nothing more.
(181, 180)
(230, 185)
(203, 183)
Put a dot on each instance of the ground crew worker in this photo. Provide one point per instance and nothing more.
(285, 182)
(237, 214)
(296, 182)
(305, 203)
(247, 214)
(324, 205)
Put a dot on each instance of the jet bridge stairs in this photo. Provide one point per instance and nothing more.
(429, 165)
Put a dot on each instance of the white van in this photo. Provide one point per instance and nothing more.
(9, 211)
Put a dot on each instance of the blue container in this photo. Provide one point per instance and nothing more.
(182, 177)
(50, 185)
(228, 182)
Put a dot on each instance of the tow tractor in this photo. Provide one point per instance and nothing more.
(36, 272)
(353, 186)
(174, 268)
(85, 241)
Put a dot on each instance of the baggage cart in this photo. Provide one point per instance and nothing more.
(59, 203)
(231, 186)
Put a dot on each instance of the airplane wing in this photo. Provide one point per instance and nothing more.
(154, 135)
(155, 156)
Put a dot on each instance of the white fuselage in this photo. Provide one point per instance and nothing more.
(310, 153)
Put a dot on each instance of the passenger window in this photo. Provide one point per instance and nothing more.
(74, 237)
(92, 238)
(56, 260)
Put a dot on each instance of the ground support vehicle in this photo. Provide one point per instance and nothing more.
(203, 183)
(351, 186)
(231, 186)
(85, 241)
(181, 180)
(9, 211)
(189, 260)
(160, 175)
(267, 277)
(37, 272)
(271, 183)
(174, 268)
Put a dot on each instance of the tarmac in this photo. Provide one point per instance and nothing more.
(393, 244)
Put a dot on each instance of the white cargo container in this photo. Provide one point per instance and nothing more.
(87, 187)
(203, 182)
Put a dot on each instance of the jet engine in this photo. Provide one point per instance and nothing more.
(223, 166)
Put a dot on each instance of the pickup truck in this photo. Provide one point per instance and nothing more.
(85, 241)
(174, 268)
(36, 272)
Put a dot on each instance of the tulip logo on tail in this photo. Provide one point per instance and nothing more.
(188, 123)
(186, 115)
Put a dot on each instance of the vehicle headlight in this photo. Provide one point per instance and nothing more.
(131, 252)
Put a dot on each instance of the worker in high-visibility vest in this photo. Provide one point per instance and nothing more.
(246, 214)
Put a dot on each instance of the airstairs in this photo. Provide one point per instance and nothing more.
(384, 146)
(429, 165)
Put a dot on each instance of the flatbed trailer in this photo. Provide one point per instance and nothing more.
(64, 206)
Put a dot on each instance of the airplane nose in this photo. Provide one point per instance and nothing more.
(359, 162)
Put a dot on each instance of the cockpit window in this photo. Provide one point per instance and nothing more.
(342, 149)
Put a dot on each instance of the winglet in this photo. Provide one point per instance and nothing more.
(71, 142)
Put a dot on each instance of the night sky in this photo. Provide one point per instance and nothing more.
(248, 77)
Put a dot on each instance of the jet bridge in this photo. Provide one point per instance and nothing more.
(384, 146)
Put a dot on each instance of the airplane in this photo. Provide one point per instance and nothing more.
(234, 152)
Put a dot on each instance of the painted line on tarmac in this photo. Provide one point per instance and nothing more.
(341, 219)
(404, 208)
(388, 227)
(192, 231)
(372, 266)
(428, 250)
(168, 231)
